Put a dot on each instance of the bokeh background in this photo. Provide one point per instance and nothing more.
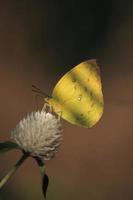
(39, 42)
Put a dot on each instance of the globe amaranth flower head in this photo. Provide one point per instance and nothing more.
(39, 134)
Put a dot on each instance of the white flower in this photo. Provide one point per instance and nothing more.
(39, 134)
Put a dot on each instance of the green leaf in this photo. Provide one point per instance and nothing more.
(7, 146)
(45, 183)
(45, 179)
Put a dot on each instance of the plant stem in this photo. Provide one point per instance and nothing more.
(12, 171)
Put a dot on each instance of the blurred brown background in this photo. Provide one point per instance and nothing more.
(39, 42)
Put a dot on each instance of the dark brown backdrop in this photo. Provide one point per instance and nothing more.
(41, 40)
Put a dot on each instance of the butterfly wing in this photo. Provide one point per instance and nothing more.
(78, 95)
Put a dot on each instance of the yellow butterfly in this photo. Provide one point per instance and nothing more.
(77, 97)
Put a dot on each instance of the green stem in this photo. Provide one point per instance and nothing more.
(12, 171)
(41, 165)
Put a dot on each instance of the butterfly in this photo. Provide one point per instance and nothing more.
(77, 97)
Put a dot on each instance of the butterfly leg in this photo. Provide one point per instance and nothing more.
(46, 105)
(59, 115)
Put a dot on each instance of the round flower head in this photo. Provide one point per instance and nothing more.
(39, 134)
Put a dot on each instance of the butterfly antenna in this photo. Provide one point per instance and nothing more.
(37, 90)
